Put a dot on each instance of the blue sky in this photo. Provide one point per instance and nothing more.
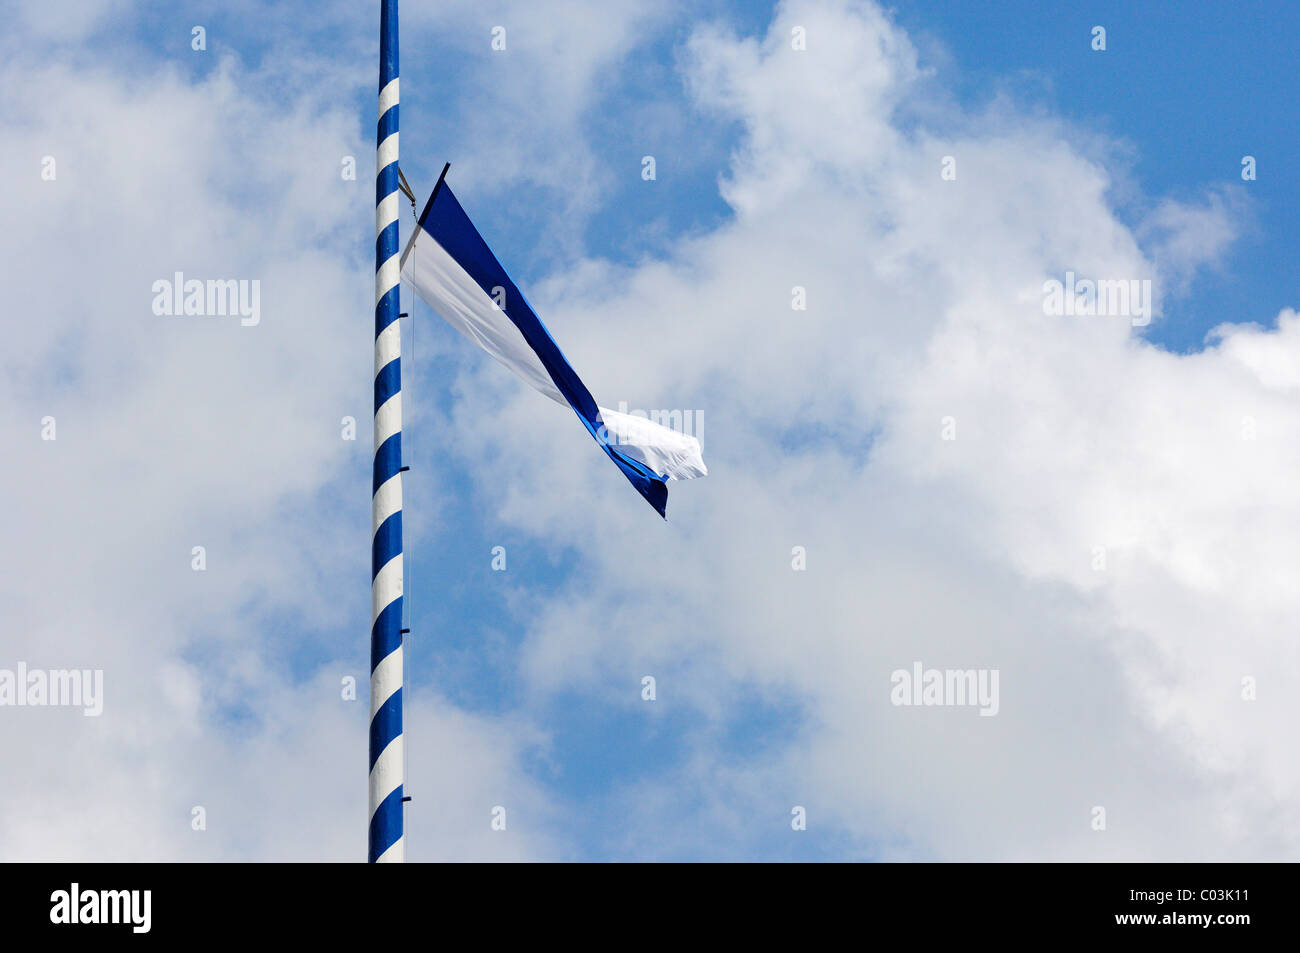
(1191, 93)
(524, 685)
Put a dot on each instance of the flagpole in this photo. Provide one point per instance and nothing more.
(387, 769)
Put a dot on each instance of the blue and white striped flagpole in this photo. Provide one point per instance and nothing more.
(387, 766)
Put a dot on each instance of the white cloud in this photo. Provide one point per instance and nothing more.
(67, 21)
(222, 688)
(1181, 237)
(522, 120)
(1121, 686)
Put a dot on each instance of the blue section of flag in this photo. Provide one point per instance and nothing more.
(450, 227)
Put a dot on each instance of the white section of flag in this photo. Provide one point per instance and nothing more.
(668, 452)
(447, 288)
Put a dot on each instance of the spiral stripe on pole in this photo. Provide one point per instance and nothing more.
(386, 841)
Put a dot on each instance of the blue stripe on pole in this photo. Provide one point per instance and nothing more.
(387, 543)
(387, 43)
(386, 243)
(386, 633)
(388, 459)
(385, 725)
(386, 313)
(450, 227)
(387, 124)
(386, 817)
(387, 182)
(387, 382)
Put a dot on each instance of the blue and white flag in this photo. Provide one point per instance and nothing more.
(453, 270)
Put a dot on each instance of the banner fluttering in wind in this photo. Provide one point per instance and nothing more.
(451, 267)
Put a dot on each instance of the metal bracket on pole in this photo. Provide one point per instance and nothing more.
(406, 188)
